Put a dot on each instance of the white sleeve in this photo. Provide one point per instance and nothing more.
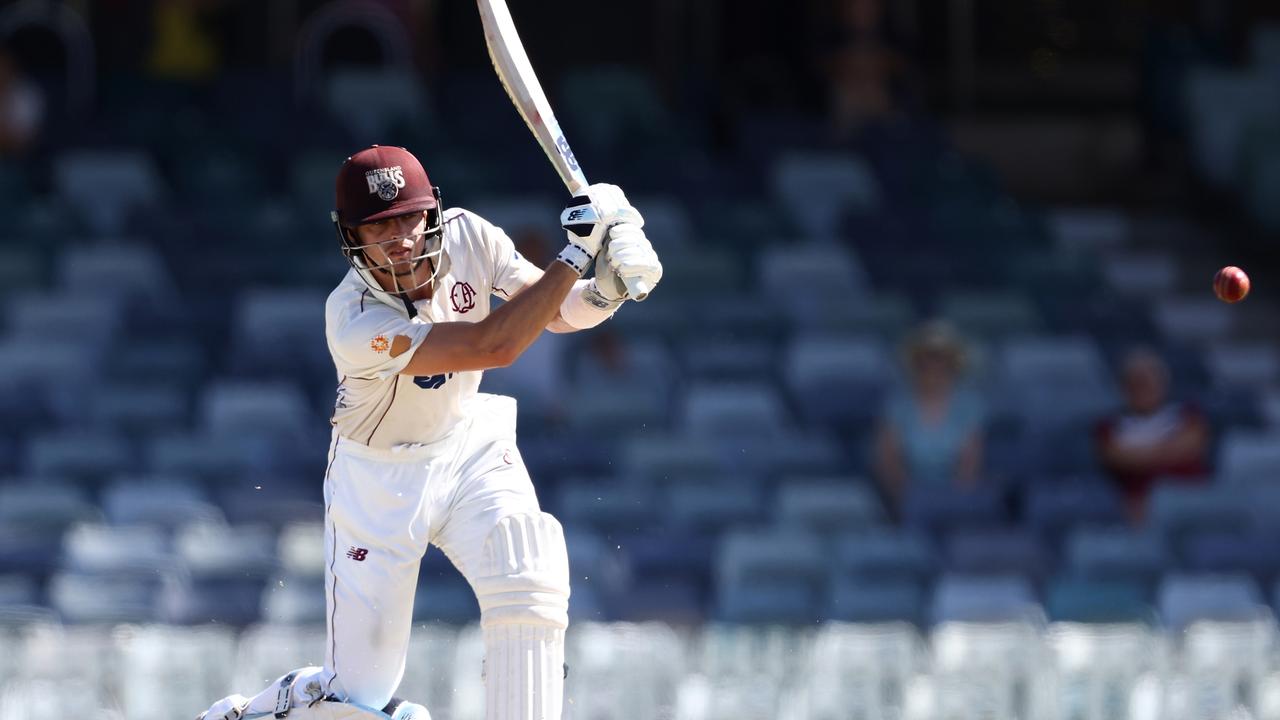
(512, 272)
(374, 342)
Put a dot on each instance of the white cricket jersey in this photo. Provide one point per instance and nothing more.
(376, 405)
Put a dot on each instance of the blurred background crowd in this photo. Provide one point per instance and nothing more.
(934, 413)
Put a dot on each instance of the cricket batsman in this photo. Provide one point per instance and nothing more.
(420, 457)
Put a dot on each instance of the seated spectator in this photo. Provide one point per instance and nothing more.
(1153, 437)
(863, 69)
(21, 108)
(931, 432)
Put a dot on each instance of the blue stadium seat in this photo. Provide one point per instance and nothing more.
(127, 271)
(216, 549)
(1118, 554)
(18, 590)
(1145, 274)
(749, 556)
(837, 378)
(828, 507)
(31, 550)
(80, 597)
(671, 600)
(195, 454)
(84, 455)
(642, 361)
(616, 407)
(964, 598)
(44, 502)
(1084, 600)
(767, 602)
(991, 315)
(604, 505)
(794, 451)
(942, 509)
(1185, 598)
(160, 501)
(1178, 510)
(818, 190)
(1249, 458)
(106, 186)
(744, 315)
(699, 271)
(667, 220)
(137, 407)
(654, 458)
(1193, 320)
(885, 554)
(140, 550)
(1055, 380)
(266, 320)
(1234, 551)
(291, 600)
(712, 507)
(31, 316)
(300, 549)
(179, 360)
(882, 315)
(240, 409)
(272, 499)
(741, 410)
(595, 562)
(987, 551)
(819, 274)
(1053, 509)
(1248, 366)
(447, 599)
(853, 600)
(729, 360)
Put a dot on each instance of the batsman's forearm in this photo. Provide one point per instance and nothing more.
(513, 327)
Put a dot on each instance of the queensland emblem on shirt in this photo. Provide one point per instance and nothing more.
(380, 344)
(463, 297)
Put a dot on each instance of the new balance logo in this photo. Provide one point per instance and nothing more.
(578, 214)
(358, 554)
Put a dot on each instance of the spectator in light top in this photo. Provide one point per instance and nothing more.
(931, 432)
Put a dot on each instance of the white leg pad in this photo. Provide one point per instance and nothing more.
(523, 591)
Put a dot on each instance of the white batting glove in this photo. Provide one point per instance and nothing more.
(587, 220)
(231, 707)
(627, 254)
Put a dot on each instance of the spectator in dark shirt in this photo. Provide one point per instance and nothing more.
(1153, 437)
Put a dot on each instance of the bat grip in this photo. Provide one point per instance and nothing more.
(637, 289)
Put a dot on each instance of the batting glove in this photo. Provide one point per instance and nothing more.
(627, 254)
(587, 220)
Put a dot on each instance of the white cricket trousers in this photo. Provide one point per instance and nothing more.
(383, 507)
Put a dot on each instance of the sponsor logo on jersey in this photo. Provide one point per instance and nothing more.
(463, 297)
(358, 554)
(385, 182)
(380, 344)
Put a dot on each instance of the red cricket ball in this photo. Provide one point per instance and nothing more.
(1231, 284)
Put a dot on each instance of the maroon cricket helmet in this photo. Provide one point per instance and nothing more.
(382, 182)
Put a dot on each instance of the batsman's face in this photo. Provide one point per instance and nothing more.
(395, 246)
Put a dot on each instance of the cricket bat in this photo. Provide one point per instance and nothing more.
(517, 76)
